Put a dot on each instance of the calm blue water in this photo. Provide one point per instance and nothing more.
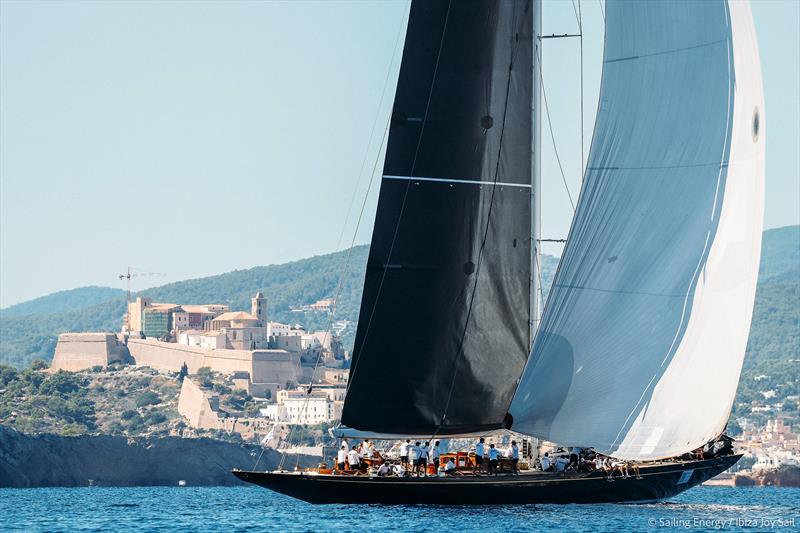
(256, 509)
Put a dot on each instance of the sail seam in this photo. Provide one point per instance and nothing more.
(665, 52)
(720, 165)
(465, 182)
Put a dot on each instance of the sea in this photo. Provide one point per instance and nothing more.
(232, 509)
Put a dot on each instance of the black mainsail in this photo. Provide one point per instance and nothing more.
(443, 332)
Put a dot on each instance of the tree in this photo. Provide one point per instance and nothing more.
(183, 373)
(62, 382)
(38, 364)
(148, 398)
(205, 376)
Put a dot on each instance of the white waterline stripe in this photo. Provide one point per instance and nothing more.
(468, 182)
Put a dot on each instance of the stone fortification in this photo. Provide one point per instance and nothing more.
(79, 351)
(197, 408)
(263, 366)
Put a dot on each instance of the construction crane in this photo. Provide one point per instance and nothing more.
(127, 276)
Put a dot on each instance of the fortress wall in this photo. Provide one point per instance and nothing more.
(166, 356)
(196, 408)
(273, 366)
(227, 361)
(79, 351)
(270, 368)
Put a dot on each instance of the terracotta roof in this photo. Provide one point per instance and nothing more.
(236, 315)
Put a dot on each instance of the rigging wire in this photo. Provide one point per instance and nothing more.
(341, 282)
(371, 136)
(552, 135)
(580, 30)
(577, 16)
(602, 10)
(345, 269)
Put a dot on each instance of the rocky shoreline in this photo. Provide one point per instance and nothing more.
(783, 476)
(107, 460)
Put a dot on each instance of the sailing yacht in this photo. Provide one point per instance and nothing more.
(638, 349)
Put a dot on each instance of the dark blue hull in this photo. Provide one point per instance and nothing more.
(657, 482)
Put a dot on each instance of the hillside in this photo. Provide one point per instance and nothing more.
(64, 301)
(772, 354)
(23, 339)
(780, 255)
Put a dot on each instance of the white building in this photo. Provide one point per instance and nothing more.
(295, 407)
(203, 339)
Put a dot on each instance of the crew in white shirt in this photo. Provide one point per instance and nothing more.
(545, 462)
(341, 457)
(353, 459)
(384, 470)
(513, 454)
(479, 455)
(494, 455)
(449, 467)
(404, 453)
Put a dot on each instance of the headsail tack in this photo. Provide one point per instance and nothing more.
(443, 329)
(644, 333)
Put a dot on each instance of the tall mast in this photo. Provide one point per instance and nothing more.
(536, 168)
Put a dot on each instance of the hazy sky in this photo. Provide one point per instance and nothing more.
(194, 138)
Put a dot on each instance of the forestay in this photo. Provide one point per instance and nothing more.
(443, 328)
(642, 339)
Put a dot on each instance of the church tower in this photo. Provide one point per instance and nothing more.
(258, 307)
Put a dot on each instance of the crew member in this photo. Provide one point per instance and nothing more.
(384, 470)
(413, 457)
(494, 454)
(545, 462)
(423, 459)
(479, 455)
(353, 459)
(449, 467)
(404, 453)
(513, 454)
(435, 455)
(341, 458)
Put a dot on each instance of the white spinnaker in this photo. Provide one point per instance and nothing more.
(642, 340)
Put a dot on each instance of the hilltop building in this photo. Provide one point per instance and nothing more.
(295, 407)
(159, 320)
(320, 306)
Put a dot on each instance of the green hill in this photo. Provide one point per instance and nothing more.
(773, 350)
(780, 255)
(64, 301)
(24, 338)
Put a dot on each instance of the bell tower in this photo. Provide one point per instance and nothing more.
(258, 307)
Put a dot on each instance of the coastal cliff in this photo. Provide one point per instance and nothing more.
(106, 460)
(783, 476)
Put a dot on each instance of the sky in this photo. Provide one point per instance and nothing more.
(195, 138)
